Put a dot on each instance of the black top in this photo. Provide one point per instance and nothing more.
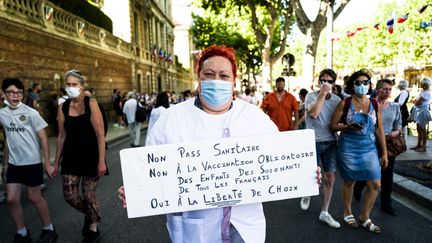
(404, 110)
(80, 155)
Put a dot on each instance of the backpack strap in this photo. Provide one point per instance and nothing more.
(375, 105)
(65, 107)
(87, 109)
(347, 105)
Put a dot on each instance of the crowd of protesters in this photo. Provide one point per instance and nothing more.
(350, 128)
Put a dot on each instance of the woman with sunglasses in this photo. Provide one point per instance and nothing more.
(359, 120)
(392, 123)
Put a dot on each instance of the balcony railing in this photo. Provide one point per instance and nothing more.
(58, 21)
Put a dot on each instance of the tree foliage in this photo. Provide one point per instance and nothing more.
(409, 45)
(210, 28)
(268, 20)
(313, 28)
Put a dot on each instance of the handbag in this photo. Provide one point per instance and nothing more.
(395, 145)
(412, 114)
(140, 113)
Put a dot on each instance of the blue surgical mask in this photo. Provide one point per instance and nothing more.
(361, 89)
(216, 93)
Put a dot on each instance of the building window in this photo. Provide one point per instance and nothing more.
(149, 84)
(136, 29)
(146, 35)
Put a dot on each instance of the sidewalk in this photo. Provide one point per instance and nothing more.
(407, 187)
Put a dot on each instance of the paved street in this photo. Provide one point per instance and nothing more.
(286, 222)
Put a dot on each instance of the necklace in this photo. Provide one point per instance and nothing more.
(362, 102)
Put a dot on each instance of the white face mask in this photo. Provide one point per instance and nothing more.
(73, 92)
(11, 106)
(328, 85)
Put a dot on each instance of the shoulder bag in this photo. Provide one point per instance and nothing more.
(140, 113)
(395, 145)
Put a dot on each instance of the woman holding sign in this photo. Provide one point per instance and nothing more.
(213, 114)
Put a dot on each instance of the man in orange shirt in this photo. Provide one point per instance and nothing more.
(281, 106)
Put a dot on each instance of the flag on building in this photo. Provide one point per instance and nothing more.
(170, 58)
(161, 53)
(154, 51)
(402, 18)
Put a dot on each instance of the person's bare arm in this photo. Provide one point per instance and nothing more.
(5, 159)
(43, 138)
(381, 139)
(60, 138)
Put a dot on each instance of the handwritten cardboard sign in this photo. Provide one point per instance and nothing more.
(215, 173)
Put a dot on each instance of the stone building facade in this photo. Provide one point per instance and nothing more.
(40, 41)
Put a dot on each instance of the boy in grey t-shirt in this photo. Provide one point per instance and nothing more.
(24, 128)
(320, 106)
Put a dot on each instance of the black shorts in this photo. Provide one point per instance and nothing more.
(28, 175)
(119, 112)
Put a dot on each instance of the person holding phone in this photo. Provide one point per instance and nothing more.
(357, 152)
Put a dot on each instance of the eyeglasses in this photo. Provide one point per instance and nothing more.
(364, 82)
(14, 93)
(327, 81)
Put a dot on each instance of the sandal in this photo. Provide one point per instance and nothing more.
(414, 148)
(420, 149)
(351, 221)
(371, 226)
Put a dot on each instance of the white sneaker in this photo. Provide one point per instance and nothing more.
(304, 203)
(329, 220)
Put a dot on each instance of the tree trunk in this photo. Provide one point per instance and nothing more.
(266, 74)
(312, 30)
(308, 66)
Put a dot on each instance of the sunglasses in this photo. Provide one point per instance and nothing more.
(364, 82)
(73, 71)
(327, 81)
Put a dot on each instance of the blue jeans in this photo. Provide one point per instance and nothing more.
(326, 155)
(135, 133)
